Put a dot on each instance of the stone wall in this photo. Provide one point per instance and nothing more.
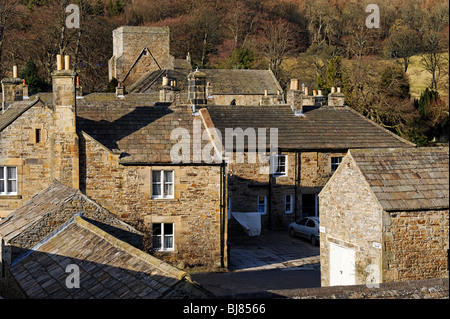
(416, 245)
(389, 246)
(247, 99)
(126, 191)
(418, 289)
(351, 218)
(247, 180)
(18, 148)
(128, 44)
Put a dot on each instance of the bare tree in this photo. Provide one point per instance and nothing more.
(7, 12)
(277, 42)
(403, 44)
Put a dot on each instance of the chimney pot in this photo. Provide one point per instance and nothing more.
(314, 92)
(59, 62)
(319, 92)
(14, 71)
(265, 93)
(294, 84)
(165, 81)
(339, 89)
(333, 89)
(67, 62)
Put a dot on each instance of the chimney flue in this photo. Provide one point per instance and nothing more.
(59, 62)
(294, 97)
(67, 62)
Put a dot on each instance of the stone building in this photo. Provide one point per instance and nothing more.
(117, 150)
(312, 139)
(138, 50)
(61, 240)
(143, 64)
(385, 217)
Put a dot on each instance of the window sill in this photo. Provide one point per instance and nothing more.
(165, 199)
(10, 196)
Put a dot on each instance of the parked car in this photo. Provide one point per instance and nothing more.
(308, 228)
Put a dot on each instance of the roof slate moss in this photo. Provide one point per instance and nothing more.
(407, 179)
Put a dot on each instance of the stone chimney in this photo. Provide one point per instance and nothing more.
(12, 89)
(169, 92)
(197, 90)
(319, 98)
(120, 91)
(336, 97)
(25, 90)
(294, 97)
(78, 89)
(63, 137)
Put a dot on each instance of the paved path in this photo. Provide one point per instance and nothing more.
(272, 250)
(270, 262)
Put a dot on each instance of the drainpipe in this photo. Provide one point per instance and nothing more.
(223, 211)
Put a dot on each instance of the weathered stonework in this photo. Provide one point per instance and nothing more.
(138, 50)
(345, 228)
(415, 245)
(125, 190)
(389, 244)
(247, 180)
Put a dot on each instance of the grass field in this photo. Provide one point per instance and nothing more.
(419, 78)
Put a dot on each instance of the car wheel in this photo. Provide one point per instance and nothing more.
(291, 232)
(314, 240)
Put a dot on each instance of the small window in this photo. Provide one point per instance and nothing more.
(8, 180)
(262, 204)
(310, 205)
(279, 165)
(288, 204)
(162, 184)
(163, 236)
(335, 161)
(38, 135)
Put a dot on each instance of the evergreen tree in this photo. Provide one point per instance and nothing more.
(32, 79)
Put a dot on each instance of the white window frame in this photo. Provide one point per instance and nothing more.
(162, 183)
(5, 180)
(275, 165)
(162, 238)
(258, 205)
(286, 201)
(335, 162)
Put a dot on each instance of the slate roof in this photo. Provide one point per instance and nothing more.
(109, 268)
(141, 133)
(407, 179)
(224, 81)
(323, 128)
(14, 111)
(60, 200)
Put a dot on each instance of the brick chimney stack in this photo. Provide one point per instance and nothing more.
(294, 97)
